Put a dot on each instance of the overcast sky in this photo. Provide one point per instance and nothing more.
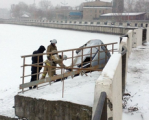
(7, 3)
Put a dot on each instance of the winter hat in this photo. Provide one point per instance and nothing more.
(41, 48)
(54, 41)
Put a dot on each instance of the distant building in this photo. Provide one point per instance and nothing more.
(92, 10)
(61, 12)
(147, 16)
(4, 14)
(65, 13)
(123, 16)
(75, 15)
(25, 16)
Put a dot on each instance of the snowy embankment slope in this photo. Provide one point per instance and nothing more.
(137, 84)
(16, 41)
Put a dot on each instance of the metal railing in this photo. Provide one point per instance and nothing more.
(75, 67)
(101, 108)
(123, 53)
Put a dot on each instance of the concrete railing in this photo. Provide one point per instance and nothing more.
(81, 22)
(110, 81)
(113, 77)
(147, 34)
(92, 26)
(107, 23)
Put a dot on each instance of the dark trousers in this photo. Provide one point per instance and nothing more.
(34, 78)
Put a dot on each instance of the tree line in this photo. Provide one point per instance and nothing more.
(44, 10)
(136, 5)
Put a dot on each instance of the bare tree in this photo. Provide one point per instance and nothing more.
(44, 4)
(129, 5)
(18, 9)
(23, 6)
(32, 10)
(81, 6)
(141, 6)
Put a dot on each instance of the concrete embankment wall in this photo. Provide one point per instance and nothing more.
(110, 81)
(114, 76)
(7, 118)
(38, 109)
(100, 27)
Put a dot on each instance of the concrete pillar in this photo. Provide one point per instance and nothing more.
(148, 34)
(77, 22)
(110, 81)
(83, 22)
(125, 42)
(94, 23)
(144, 25)
(137, 38)
(124, 24)
(109, 23)
(130, 41)
(132, 24)
(101, 23)
(63, 22)
(117, 24)
(139, 24)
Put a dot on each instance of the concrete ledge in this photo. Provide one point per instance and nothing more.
(137, 37)
(84, 26)
(38, 109)
(7, 118)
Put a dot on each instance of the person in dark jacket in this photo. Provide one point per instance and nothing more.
(34, 61)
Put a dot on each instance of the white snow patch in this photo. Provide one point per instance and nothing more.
(137, 84)
(110, 71)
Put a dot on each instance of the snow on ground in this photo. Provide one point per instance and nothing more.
(137, 84)
(16, 41)
(77, 90)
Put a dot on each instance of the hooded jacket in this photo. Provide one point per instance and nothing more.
(35, 58)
